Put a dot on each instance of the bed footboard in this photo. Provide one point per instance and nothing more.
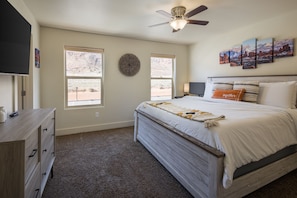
(198, 168)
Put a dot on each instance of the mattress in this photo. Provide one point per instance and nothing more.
(249, 132)
(245, 169)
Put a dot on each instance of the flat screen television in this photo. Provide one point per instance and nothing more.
(15, 36)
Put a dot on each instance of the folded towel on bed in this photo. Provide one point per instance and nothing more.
(209, 119)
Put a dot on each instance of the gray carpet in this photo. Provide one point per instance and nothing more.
(109, 164)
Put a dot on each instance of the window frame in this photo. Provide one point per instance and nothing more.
(168, 56)
(66, 78)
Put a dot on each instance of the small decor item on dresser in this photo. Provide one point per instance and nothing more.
(14, 114)
(129, 64)
(3, 114)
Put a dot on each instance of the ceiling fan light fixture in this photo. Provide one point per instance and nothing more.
(179, 18)
(178, 24)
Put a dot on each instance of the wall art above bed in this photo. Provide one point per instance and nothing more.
(235, 56)
(248, 54)
(253, 52)
(265, 51)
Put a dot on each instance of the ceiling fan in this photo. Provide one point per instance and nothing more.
(179, 19)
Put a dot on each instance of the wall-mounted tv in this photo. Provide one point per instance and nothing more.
(15, 36)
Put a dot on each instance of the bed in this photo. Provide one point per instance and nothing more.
(208, 156)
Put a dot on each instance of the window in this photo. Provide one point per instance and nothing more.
(83, 76)
(162, 72)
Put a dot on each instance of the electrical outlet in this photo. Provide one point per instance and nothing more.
(96, 114)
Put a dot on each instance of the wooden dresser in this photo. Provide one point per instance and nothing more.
(27, 153)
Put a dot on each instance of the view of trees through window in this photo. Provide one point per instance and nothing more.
(83, 76)
(161, 78)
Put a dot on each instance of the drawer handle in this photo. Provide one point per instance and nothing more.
(45, 150)
(44, 173)
(45, 130)
(33, 153)
(36, 192)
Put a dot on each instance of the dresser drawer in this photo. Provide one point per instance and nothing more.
(47, 153)
(31, 154)
(47, 127)
(47, 160)
(32, 188)
(47, 148)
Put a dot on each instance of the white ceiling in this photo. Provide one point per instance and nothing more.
(131, 18)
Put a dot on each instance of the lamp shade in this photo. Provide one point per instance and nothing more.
(186, 88)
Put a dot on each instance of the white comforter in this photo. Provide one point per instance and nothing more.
(248, 133)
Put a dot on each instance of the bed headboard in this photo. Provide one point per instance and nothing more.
(197, 88)
(263, 78)
(275, 90)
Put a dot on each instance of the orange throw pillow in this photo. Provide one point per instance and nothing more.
(229, 94)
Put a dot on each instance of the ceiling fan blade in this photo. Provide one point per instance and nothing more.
(197, 22)
(158, 24)
(164, 13)
(196, 11)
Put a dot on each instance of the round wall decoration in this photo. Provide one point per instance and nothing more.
(129, 64)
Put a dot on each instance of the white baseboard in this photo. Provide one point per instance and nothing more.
(90, 128)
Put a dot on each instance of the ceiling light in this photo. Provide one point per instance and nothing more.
(178, 23)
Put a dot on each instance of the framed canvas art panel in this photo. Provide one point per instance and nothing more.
(283, 48)
(235, 56)
(265, 51)
(225, 57)
(37, 58)
(249, 54)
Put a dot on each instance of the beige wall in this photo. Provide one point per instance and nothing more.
(121, 94)
(204, 56)
(7, 93)
(9, 86)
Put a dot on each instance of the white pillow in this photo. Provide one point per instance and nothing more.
(210, 87)
(208, 90)
(279, 94)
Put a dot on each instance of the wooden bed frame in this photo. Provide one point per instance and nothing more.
(199, 167)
